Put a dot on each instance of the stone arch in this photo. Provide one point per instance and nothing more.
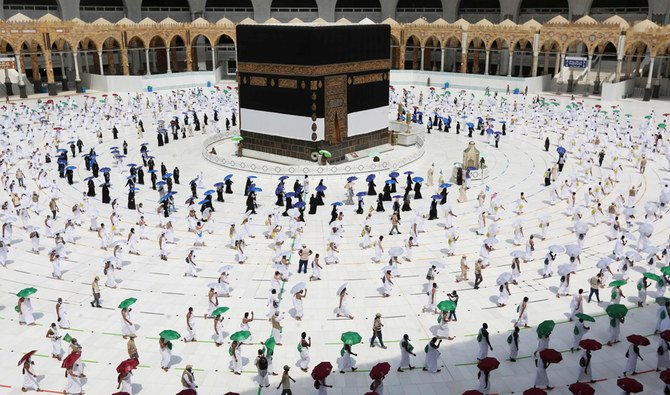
(201, 52)
(549, 50)
(413, 52)
(224, 52)
(452, 53)
(636, 56)
(499, 55)
(395, 52)
(35, 57)
(576, 47)
(135, 48)
(432, 53)
(476, 48)
(111, 54)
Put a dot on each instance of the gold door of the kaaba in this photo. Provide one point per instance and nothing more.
(335, 98)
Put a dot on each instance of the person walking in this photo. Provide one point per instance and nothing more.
(95, 288)
(406, 349)
(286, 382)
(595, 283)
(304, 254)
(377, 331)
(478, 273)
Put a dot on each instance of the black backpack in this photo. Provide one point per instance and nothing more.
(262, 363)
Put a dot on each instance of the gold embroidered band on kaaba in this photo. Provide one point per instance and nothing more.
(313, 71)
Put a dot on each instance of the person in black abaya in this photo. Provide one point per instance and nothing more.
(396, 207)
(319, 197)
(115, 132)
(246, 186)
(106, 176)
(153, 180)
(69, 174)
(359, 209)
(371, 188)
(219, 193)
(279, 192)
(312, 205)
(163, 169)
(380, 203)
(91, 189)
(405, 204)
(444, 194)
(95, 168)
(140, 176)
(417, 191)
(393, 185)
(194, 187)
(432, 213)
(105, 193)
(175, 175)
(159, 137)
(131, 199)
(289, 205)
(409, 181)
(387, 192)
(229, 186)
(333, 214)
(251, 204)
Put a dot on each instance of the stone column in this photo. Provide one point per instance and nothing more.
(523, 54)
(423, 52)
(617, 75)
(401, 57)
(102, 70)
(124, 61)
(647, 88)
(37, 78)
(560, 67)
(111, 66)
(146, 54)
(77, 79)
(510, 63)
(546, 57)
(533, 67)
(19, 68)
(85, 54)
(167, 56)
(442, 50)
(213, 58)
(51, 81)
(475, 61)
(63, 75)
(588, 67)
(637, 72)
(464, 60)
(189, 57)
(487, 61)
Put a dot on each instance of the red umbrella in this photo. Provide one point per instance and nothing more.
(25, 357)
(227, 393)
(70, 360)
(551, 356)
(629, 385)
(371, 393)
(127, 365)
(590, 344)
(488, 364)
(581, 389)
(665, 376)
(472, 392)
(665, 335)
(188, 392)
(121, 393)
(638, 340)
(322, 370)
(380, 370)
(534, 391)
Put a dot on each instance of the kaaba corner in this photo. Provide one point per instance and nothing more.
(308, 88)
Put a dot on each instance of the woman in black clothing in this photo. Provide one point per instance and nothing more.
(312, 205)
(380, 203)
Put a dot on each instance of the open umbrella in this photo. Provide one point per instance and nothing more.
(325, 153)
(169, 334)
(638, 340)
(490, 241)
(581, 389)
(665, 335)
(572, 250)
(665, 270)
(545, 328)
(298, 287)
(585, 317)
(504, 278)
(380, 370)
(446, 305)
(633, 255)
(219, 310)
(556, 249)
(560, 150)
(517, 254)
(616, 310)
(361, 194)
(661, 300)
(322, 370)
(70, 360)
(418, 179)
(563, 270)
(237, 138)
(652, 276)
(629, 385)
(488, 364)
(352, 179)
(665, 376)
(25, 357)
(617, 283)
(395, 251)
(646, 229)
(24, 293)
(270, 344)
(445, 185)
(534, 391)
(351, 338)
(127, 303)
(240, 336)
(590, 344)
(551, 356)
(604, 262)
(127, 365)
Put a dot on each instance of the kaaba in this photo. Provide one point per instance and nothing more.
(303, 89)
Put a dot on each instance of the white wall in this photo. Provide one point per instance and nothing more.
(362, 122)
(469, 81)
(618, 90)
(283, 125)
(135, 83)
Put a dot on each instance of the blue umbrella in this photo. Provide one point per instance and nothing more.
(560, 150)
(391, 181)
(502, 121)
(103, 184)
(252, 177)
(172, 193)
(491, 119)
(89, 178)
(299, 205)
(167, 175)
(337, 204)
(480, 119)
(417, 179)
(152, 171)
(370, 178)
(227, 177)
(436, 197)
(204, 201)
(61, 150)
(352, 178)
(472, 168)
(62, 161)
(105, 170)
(489, 131)
(394, 174)
(282, 178)
(470, 125)
(209, 192)
(71, 142)
(218, 184)
(134, 189)
(161, 183)
(255, 189)
(320, 188)
(71, 168)
(397, 196)
(445, 185)
(131, 165)
(290, 194)
(359, 194)
(164, 198)
(279, 190)
(113, 148)
(408, 172)
(497, 133)
(120, 156)
(130, 177)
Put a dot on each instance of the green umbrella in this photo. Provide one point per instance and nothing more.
(661, 125)
(16, 308)
(326, 153)
(554, 103)
(127, 303)
(665, 270)
(545, 328)
(24, 293)
(447, 92)
(652, 276)
(373, 154)
(616, 310)
(661, 300)
(270, 344)
(617, 283)
(169, 334)
(616, 110)
(351, 338)
(219, 310)
(647, 117)
(240, 336)
(585, 317)
(237, 138)
(446, 305)
(67, 338)
(603, 112)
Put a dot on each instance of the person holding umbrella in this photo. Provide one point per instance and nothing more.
(585, 373)
(541, 377)
(633, 353)
(124, 379)
(485, 366)
(346, 361)
(580, 330)
(617, 314)
(663, 351)
(406, 349)
(29, 377)
(343, 307)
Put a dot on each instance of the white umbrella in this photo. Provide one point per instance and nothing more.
(581, 228)
(387, 268)
(282, 254)
(651, 250)
(504, 278)
(298, 287)
(518, 254)
(341, 288)
(110, 259)
(490, 241)
(213, 285)
(437, 264)
(650, 207)
(647, 229)
(294, 213)
(629, 236)
(281, 268)
(565, 269)
(556, 249)
(604, 262)
(396, 251)
(225, 268)
(336, 224)
(629, 212)
(572, 250)
(333, 238)
(633, 255)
